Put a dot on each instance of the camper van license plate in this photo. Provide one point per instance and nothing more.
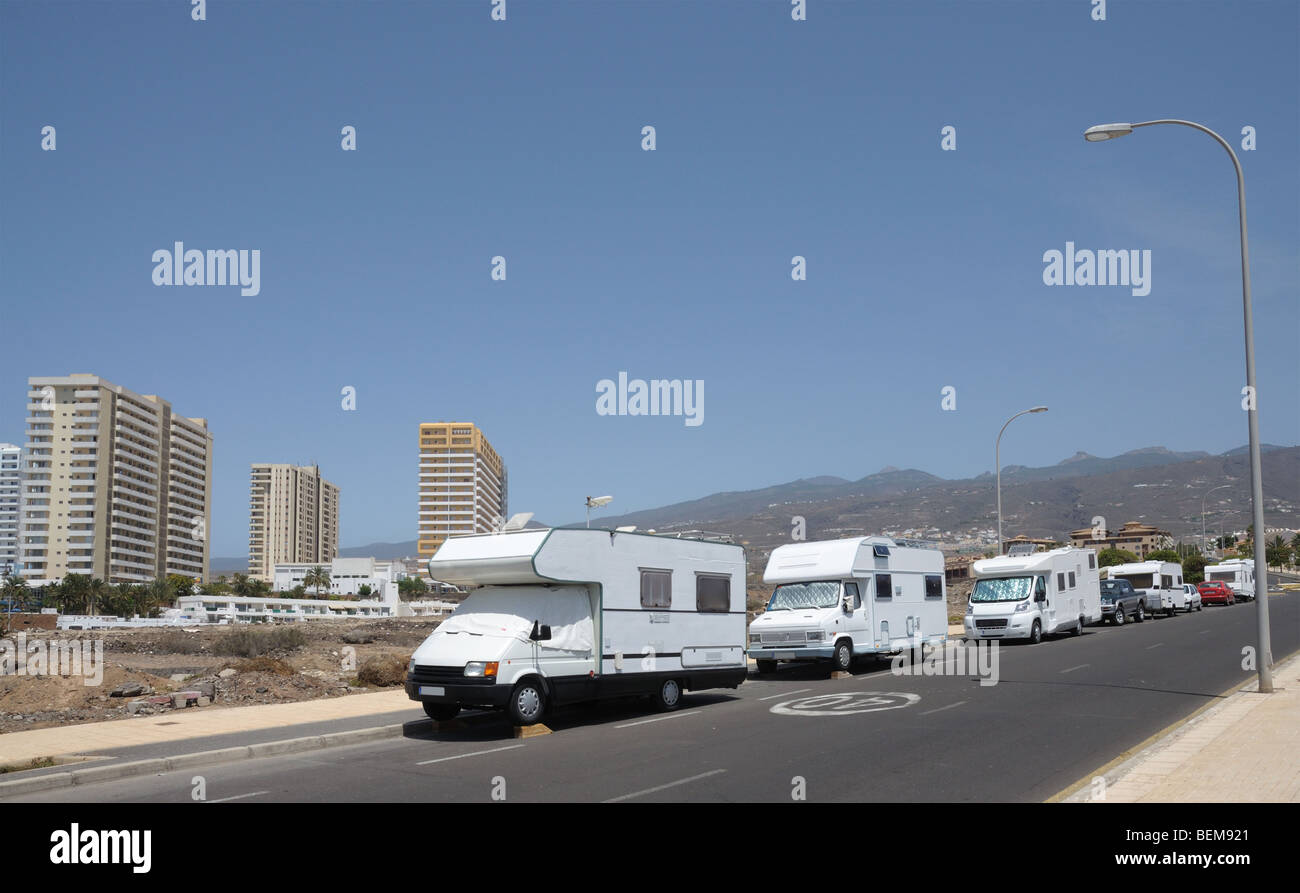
(785, 655)
(434, 690)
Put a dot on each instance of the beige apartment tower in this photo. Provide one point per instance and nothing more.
(462, 484)
(293, 518)
(115, 485)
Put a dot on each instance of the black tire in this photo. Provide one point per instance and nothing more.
(843, 659)
(1078, 630)
(766, 666)
(1140, 615)
(668, 696)
(440, 712)
(1036, 633)
(1200, 606)
(1118, 617)
(527, 703)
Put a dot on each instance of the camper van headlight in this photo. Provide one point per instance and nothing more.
(1023, 606)
(816, 635)
(481, 668)
(410, 666)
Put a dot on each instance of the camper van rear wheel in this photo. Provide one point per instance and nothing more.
(843, 654)
(1078, 630)
(669, 695)
(527, 702)
(440, 712)
(1036, 633)
(766, 666)
(1141, 613)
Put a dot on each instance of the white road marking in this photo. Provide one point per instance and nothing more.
(937, 709)
(239, 797)
(1204, 632)
(784, 693)
(1156, 645)
(641, 722)
(461, 756)
(664, 787)
(1079, 667)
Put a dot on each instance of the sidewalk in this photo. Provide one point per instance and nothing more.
(1242, 750)
(195, 722)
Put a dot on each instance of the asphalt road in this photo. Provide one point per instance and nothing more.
(1059, 711)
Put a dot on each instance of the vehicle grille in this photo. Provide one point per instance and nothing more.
(784, 638)
(998, 623)
(425, 673)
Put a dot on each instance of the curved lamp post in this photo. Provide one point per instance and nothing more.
(1264, 654)
(997, 464)
(1207, 493)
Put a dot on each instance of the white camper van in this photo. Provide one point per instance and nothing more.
(839, 598)
(1160, 582)
(1035, 595)
(1237, 573)
(571, 614)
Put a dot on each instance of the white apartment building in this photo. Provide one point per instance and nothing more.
(11, 477)
(347, 576)
(293, 518)
(249, 609)
(115, 486)
(463, 484)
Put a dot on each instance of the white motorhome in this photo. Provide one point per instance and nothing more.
(1034, 595)
(1160, 582)
(574, 614)
(838, 599)
(1237, 573)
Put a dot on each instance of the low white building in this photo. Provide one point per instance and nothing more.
(210, 608)
(347, 576)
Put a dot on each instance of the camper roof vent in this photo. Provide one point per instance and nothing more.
(880, 551)
(1020, 549)
(701, 535)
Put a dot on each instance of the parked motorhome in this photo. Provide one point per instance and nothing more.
(568, 614)
(838, 599)
(1160, 582)
(1034, 595)
(1237, 573)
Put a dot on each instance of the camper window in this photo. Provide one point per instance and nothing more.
(851, 590)
(1071, 579)
(1060, 582)
(656, 588)
(1092, 561)
(790, 596)
(712, 593)
(1139, 581)
(884, 587)
(934, 586)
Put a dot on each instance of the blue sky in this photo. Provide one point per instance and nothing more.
(775, 138)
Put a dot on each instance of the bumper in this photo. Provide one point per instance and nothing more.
(1016, 628)
(825, 652)
(452, 693)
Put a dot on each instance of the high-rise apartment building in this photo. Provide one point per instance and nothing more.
(11, 477)
(293, 518)
(115, 485)
(462, 484)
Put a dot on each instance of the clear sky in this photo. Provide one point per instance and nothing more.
(774, 138)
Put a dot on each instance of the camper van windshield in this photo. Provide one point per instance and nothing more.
(1139, 581)
(789, 596)
(1002, 589)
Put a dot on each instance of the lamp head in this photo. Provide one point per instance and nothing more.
(1100, 132)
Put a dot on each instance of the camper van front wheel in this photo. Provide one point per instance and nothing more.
(527, 703)
(1036, 633)
(440, 712)
(843, 654)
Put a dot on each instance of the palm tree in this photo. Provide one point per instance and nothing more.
(243, 586)
(96, 590)
(317, 578)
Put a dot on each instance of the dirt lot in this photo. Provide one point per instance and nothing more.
(141, 666)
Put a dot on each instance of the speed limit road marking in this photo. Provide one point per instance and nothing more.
(844, 704)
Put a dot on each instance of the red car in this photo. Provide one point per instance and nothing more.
(1216, 593)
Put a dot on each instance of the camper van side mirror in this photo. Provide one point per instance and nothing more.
(540, 633)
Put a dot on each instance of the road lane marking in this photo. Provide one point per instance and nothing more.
(1079, 667)
(664, 787)
(461, 756)
(784, 693)
(1156, 645)
(949, 707)
(239, 797)
(641, 722)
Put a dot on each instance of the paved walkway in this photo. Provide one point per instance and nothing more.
(1243, 750)
(18, 748)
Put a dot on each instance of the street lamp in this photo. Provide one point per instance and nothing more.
(997, 463)
(1207, 493)
(595, 502)
(1102, 132)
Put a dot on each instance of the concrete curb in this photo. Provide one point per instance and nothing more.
(157, 765)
